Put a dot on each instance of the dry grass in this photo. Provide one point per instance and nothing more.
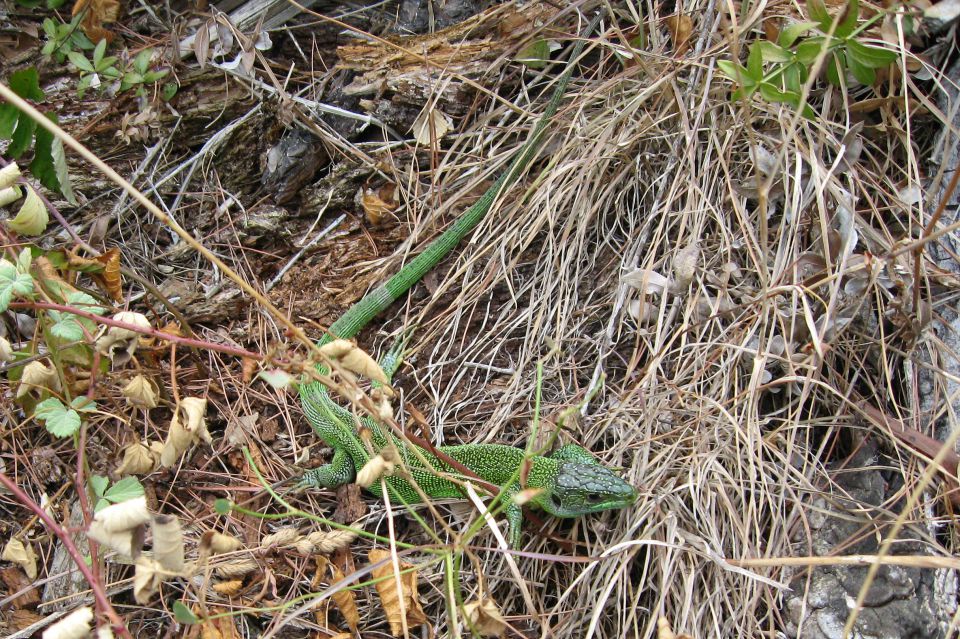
(730, 399)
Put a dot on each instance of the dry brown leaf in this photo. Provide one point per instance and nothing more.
(118, 526)
(168, 542)
(36, 378)
(382, 465)
(76, 625)
(484, 617)
(346, 601)
(141, 392)
(395, 604)
(21, 554)
(138, 459)
(119, 344)
(6, 350)
(222, 626)
(354, 359)
(430, 126)
(680, 28)
(147, 578)
(685, 265)
(375, 207)
(187, 429)
(98, 13)
(104, 269)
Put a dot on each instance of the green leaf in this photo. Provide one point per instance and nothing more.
(770, 52)
(732, 70)
(771, 93)
(106, 63)
(61, 172)
(792, 78)
(222, 506)
(851, 18)
(142, 62)
(809, 50)
(8, 120)
(168, 91)
(98, 483)
(153, 76)
(98, 52)
(13, 284)
(790, 34)
(84, 84)
(818, 11)
(26, 84)
(42, 164)
(59, 420)
(66, 326)
(80, 61)
(755, 63)
(22, 137)
(125, 489)
(85, 302)
(183, 614)
(55, 4)
(868, 56)
(862, 73)
(836, 68)
(48, 48)
(50, 27)
(83, 404)
(535, 55)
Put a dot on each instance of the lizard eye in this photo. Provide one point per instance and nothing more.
(594, 498)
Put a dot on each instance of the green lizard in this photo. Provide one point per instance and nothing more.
(570, 481)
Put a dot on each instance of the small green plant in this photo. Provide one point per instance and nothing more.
(102, 67)
(140, 74)
(91, 71)
(64, 38)
(778, 70)
(63, 420)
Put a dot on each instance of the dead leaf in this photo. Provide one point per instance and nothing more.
(37, 377)
(118, 526)
(98, 13)
(76, 625)
(483, 616)
(187, 429)
(104, 269)
(383, 464)
(119, 344)
(141, 392)
(147, 578)
(375, 207)
(685, 265)
(680, 28)
(646, 280)
(430, 126)
(402, 608)
(9, 175)
(168, 542)
(346, 601)
(21, 554)
(138, 460)
(220, 543)
(354, 359)
(15, 581)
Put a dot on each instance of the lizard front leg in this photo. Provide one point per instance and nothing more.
(338, 472)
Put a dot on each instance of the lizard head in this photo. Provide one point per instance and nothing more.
(580, 489)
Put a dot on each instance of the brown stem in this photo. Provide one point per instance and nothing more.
(99, 593)
(186, 341)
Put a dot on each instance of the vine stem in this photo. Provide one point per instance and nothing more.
(99, 593)
(186, 341)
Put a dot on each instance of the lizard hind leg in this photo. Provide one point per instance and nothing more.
(338, 472)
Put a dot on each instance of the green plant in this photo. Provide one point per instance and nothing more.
(140, 74)
(92, 70)
(778, 70)
(100, 66)
(63, 38)
(49, 165)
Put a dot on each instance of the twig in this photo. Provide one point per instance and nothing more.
(99, 594)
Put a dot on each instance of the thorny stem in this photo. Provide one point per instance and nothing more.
(186, 341)
(99, 593)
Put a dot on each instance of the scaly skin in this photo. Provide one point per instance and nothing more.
(570, 481)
